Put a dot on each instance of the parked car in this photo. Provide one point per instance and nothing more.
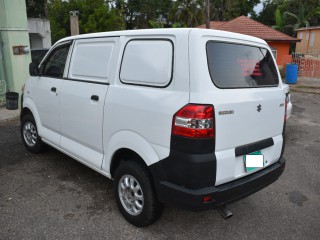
(38, 54)
(193, 117)
(286, 89)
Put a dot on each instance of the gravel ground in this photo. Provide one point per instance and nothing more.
(306, 85)
(51, 196)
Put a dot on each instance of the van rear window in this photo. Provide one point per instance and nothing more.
(240, 66)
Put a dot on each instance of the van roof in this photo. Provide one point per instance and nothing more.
(168, 31)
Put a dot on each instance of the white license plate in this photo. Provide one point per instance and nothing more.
(253, 161)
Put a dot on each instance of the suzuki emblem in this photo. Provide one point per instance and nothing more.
(259, 108)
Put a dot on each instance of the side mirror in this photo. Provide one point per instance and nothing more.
(33, 69)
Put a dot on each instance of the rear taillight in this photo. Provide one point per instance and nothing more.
(194, 121)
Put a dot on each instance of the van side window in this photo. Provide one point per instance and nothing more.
(91, 60)
(56, 61)
(147, 62)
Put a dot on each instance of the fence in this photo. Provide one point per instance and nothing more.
(308, 64)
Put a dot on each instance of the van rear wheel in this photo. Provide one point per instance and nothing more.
(135, 194)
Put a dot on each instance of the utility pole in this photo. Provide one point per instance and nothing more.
(207, 14)
(46, 15)
(74, 22)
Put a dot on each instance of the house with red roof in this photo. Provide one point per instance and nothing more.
(278, 41)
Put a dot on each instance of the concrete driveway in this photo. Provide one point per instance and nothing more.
(51, 196)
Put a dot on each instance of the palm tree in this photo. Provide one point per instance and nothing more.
(302, 19)
(189, 12)
(279, 20)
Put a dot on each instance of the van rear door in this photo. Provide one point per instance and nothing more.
(242, 83)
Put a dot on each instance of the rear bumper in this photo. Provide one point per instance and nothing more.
(229, 192)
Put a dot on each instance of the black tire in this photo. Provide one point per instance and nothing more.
(152, 209)
(29, 134)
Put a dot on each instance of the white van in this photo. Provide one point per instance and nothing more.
(187, 116)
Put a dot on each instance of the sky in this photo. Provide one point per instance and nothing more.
(258, 8)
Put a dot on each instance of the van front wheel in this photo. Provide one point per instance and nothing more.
(135, 195)
(29, 134)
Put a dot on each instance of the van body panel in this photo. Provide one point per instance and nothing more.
(126, 139)
(138, 115)
(85, 143)
(242, 115)
(147, 110)
(29, 103)
(86, 89)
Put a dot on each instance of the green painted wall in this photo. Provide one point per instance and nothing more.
(13, 32)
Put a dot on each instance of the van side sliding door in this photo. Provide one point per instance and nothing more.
(82, 98)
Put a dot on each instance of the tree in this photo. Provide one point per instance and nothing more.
(296, 14)
(246, 6)
(155, 24)
(305, 10)
(190, 12)
(95, 16)
(36, 8)
(138, 13)
(280, 20)
(303, 18)
(225, 10)
(267, 15)
(102, 20)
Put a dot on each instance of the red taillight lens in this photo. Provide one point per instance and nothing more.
(207, 199)
(194, 121)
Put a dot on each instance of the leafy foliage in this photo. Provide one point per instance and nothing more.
(288, 15)
(303, 18)
(94, 15)
(36, 8)
(190, 12)
(138, 13)
(108, 15)
(280, 19)
(155, 24)
(225, 10)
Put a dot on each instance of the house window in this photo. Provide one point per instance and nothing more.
(301, 35)
(312, 39)
(274, 52)
(307, 35)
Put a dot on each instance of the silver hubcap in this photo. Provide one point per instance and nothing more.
(131, 195)
(30, 134)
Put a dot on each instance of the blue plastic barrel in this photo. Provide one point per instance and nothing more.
(291, 73)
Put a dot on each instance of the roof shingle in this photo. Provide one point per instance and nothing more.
(251, 27)
(214, 24)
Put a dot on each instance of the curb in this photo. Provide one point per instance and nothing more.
(6, 115)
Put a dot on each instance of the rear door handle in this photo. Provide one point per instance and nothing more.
(53, 89)
(95, 98)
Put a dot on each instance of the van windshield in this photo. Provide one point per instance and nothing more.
(240, 66)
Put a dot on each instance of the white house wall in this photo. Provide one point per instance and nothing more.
(39, 32)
